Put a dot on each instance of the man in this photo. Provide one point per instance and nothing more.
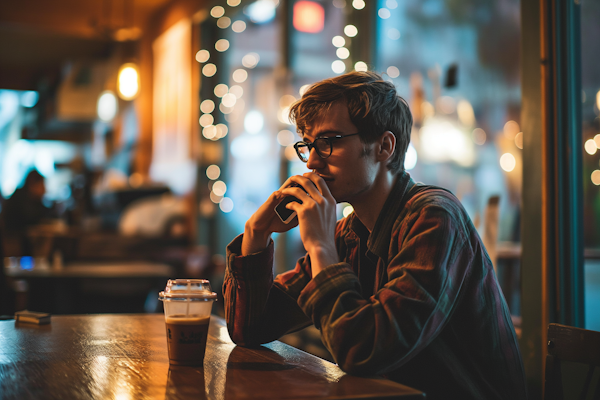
(403, 286)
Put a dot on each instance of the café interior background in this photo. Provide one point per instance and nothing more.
(168, 119)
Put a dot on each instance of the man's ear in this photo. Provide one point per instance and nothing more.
(386, 146)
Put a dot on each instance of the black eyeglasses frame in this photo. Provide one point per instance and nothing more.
(328, 139)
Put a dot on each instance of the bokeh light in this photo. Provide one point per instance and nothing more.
(519, 140)
(207, 106)
(240, 75)
(209, 132)
(350, 30)
(465, 113)
(223, 22)
(479, 136)
(221, 90)
(107, 106)
(393, 72)
(410, 160)
(237, 91)
(238, 26)
(338, 66)
(250, 60)
(361, 66)
(507, 162)
(393, 34)
(511, 128)
(222, 45)
(590, 146)
(597, 140)
(222, 131)
(286, 100)
(342, 53)
(217, 11)
(303, 89)
(338, 41)
(128, 81)
(347, 210)
(384, 13)
(219, 188)
(254, 122)
(206, 120)
(226, 204)
(229, 100)
(202, 56)
(596, 177)
(285, 138)
(213, 172)
(209, 70)
(358, 4)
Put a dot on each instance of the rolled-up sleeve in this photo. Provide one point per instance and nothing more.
(257, 310)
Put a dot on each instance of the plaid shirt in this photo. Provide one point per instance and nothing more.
(416, 300)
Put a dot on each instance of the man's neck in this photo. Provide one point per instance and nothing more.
(368, 207)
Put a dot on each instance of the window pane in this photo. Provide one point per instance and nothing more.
(457, 64)
(590, 98)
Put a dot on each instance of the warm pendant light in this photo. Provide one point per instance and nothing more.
(128, 81)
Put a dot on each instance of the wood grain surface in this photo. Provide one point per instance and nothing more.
(123, 357)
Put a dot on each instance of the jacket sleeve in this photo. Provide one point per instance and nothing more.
(257, 309)
(379, 334)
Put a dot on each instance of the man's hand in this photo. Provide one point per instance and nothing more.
(316, 217)
(263, 223)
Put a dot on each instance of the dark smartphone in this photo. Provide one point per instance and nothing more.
(285, 214)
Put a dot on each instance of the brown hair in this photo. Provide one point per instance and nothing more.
(373, 104)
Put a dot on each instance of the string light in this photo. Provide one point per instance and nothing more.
(221, 90)
(223, 22)
(342, 53)
(213, 171)
(240, 75)
(209, 70)
(361, 66)
(202, 56)
(222, 45)
(358, 4)
(350, 30)
(338, 41)
(217, 11)
(207, 106)
(338, 66)
(238, 26)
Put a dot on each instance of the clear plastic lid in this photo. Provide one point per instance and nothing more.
(187, 290)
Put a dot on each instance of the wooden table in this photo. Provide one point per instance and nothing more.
(109, 356)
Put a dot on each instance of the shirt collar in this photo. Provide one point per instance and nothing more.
(379, 240)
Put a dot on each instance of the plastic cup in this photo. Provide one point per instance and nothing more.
(187, 304)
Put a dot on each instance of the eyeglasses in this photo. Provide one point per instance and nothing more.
(323, 146)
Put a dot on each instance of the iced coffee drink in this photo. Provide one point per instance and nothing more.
(187, 304)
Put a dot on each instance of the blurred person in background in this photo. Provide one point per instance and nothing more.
(22, 211)
(403, 287)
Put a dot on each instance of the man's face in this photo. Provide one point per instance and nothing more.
(351, 169)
